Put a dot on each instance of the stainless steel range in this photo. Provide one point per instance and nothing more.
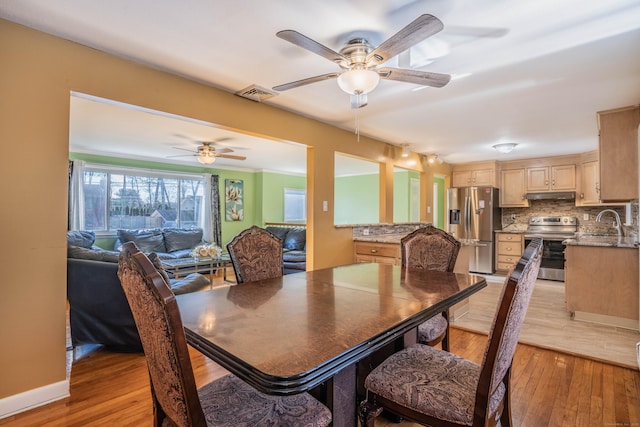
(553, 230)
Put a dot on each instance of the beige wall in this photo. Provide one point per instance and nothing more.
(37, 74)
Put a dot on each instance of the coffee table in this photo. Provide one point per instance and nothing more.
(181, 267)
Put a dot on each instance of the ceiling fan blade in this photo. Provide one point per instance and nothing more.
(183, 149)
(222, 150)
(422, 27)
(306, 81)
(311, 45)
(424, 78)
(228, 156)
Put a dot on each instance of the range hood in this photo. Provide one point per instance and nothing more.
(552, 195)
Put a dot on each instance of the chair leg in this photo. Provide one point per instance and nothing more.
(368, 412)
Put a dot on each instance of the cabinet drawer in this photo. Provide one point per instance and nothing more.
(503, 266)
(378, 250)
(508, 237)
(508, 259)
(507, 248)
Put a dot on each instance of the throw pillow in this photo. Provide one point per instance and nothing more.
(83, 239)
(295, 239)
(176, 239)
(146, 240)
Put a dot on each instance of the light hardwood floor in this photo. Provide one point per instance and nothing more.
(549, 325)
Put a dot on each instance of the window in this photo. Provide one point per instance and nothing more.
(137, 199)
(295, 205)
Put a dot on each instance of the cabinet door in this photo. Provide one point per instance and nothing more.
(590, 191)
(619, 154)
(461, 179)
(512, 188)
(483, 177)
(563, 177)
(538, 179)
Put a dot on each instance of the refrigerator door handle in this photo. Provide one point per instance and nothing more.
(467, 215)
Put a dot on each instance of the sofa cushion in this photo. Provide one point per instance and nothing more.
(176, 239)
(294, 256)
(83, 239)
(295, 239)
(279, 232)
(146, 240)
(79, 252)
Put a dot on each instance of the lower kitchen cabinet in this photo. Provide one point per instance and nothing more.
(509, 249)
(383, 253)
(601, 284)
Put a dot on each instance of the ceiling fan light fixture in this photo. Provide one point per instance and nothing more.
(206, 159)
(505, 148)
(358, 81)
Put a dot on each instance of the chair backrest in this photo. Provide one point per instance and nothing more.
(507, 323)
(256, 254)
(157, 318)
(429, 248)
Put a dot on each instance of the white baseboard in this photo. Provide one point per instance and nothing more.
(33, 398)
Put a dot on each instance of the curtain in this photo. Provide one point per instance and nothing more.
(76, 195)
(212, 217)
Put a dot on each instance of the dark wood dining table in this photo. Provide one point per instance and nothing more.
(308, 330)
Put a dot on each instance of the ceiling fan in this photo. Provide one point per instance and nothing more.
(359, 60)
(206, 153)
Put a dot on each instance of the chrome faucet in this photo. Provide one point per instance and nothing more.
(618, 223)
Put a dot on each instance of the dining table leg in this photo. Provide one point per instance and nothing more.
(341, 397)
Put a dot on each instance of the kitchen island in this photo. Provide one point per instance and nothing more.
(601, 280)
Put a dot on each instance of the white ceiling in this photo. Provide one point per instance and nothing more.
(538, 75)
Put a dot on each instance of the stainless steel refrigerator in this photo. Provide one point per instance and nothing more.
(474, 215)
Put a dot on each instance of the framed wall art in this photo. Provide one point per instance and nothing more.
(234, 194)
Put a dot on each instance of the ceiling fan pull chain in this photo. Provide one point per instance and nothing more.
(357, 126)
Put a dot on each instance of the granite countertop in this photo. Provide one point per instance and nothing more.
(395, 239)
(517, 229)
(607, 240)
(380, 238)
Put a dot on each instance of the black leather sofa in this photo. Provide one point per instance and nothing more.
(294, 247)
(98, 309)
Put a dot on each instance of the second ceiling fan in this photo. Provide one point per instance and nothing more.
(359, 60)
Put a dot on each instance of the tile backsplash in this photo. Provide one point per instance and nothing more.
(568, 208)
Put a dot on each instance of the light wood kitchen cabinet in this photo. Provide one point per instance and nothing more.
(618, 152)
(601, 284)
(383, 253)
(512, 189)
(480, 174)
(509, 249)
(551, 178)
(590, 184)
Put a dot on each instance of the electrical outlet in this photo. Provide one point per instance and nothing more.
(585, 217)
(513, 217)
(365, 232)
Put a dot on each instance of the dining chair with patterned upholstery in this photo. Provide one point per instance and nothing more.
(429, 248)
(227, 401)
(256, 254)
(436, 388)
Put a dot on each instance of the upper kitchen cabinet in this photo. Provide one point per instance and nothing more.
(477, 174)
(618, 151)
(513, 189)
(551, 178)
(589, 183)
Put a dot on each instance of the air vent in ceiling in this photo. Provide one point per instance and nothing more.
(256, 93)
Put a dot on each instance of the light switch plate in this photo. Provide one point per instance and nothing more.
(585, 217)
(325, 205)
